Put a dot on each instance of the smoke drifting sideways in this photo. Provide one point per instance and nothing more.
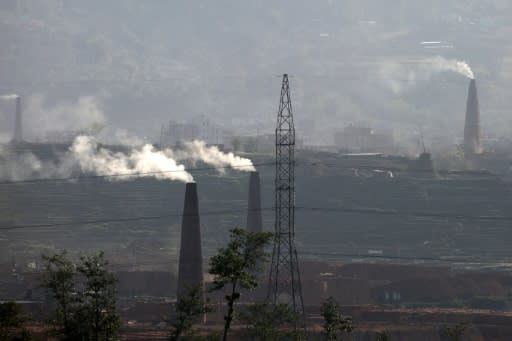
(440, 64)
(87, 156)
(211, 155)
(145, 161)
(400, 76)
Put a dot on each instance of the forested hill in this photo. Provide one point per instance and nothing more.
(174, 59)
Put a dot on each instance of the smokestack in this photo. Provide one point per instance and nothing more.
(254, 204)
(18, 133)
(472, 124)
(190, 271)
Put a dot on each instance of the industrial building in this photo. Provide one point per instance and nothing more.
(200, 128)
(355, 138)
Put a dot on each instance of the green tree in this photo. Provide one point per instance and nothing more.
(85, 297)
(334, 322)
(383, 336)
(454, 333)
(264, 321)
(60, 279)
(12, 320)
(99, 297)
(237, 266)
(189, 309)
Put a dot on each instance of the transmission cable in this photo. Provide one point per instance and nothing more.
(199, 169)
(365, 211)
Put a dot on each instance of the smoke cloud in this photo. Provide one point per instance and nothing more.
(17, 168)
(9, 96)
(26, 165)
(145, 161)
(87, 156)
(440, 64)
(399, 76)
(85, 115)
(199, 151)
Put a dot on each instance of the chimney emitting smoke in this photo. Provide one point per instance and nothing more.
(254, 204)
(472, 123)
(190, 271)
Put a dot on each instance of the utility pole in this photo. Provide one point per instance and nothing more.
(284, 279)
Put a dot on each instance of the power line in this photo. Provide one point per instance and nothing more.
(352, 255)
(378, 211)
(336, 75)
(365, 211)
(264, 164)
(425, 259)
(88, 222)
(310, 253)
(121, 80)
(347, 255)
(120, 220)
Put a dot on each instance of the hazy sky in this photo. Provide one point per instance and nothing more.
(137, 64)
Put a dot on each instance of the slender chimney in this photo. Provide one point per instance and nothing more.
(190, 271)
(254, 225)
(18, 132)
(472, 124)
(254, 204)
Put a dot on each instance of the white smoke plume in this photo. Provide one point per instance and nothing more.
(211, 155)
(145, 161)
(86, 156)
(401, 75)
(9, 96)
(440, 64)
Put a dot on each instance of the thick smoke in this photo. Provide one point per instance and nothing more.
(145, 161)
(85, 119)
(199, 151)
(86, 156)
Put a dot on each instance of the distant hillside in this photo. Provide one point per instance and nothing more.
(174, 59)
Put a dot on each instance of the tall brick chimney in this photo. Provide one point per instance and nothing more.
(254, 204)
(190, 272)
(472, 124)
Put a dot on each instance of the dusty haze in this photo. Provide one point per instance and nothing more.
(135, 65)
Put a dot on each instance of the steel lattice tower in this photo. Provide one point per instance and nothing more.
(284, 278)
